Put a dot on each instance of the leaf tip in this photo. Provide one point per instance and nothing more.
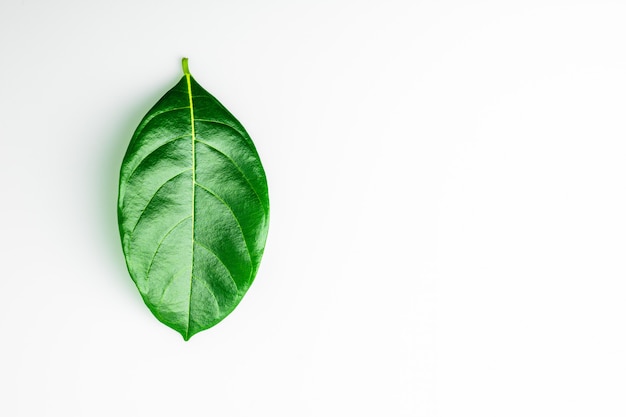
(185, 66)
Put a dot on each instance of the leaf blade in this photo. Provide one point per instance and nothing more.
(193, 209)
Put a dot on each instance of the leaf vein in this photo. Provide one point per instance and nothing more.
(167, 286)
(161, 242)
(151, 152)
(152, 198)
(147, 121)
(238, 169)
(234, 217)
(210, 290)
(211, 251)
(217, 122)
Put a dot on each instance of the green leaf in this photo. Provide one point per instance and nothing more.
(193, 209)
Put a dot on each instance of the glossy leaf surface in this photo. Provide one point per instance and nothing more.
(193, 209)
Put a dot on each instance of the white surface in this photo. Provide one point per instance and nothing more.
(448, 193)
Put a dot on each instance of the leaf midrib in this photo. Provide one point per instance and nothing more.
(193, 197)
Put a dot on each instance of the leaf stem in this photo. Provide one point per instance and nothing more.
(185, 66)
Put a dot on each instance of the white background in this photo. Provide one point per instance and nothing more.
(448, 189)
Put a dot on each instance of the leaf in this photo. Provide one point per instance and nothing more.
(193, 209)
